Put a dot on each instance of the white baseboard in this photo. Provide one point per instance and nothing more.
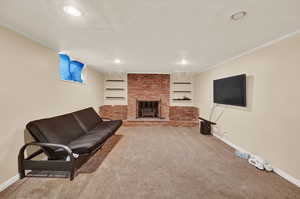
(232, 145)
(9, 182)
(279, 172)
(13, 179)
(287, 176)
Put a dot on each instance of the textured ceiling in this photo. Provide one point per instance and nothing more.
(151, 35)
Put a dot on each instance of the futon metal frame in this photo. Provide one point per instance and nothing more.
(70, 165)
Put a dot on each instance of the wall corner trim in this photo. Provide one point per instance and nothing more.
(9, 182)
(278, 171)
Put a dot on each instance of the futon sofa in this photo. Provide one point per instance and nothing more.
(67, 140)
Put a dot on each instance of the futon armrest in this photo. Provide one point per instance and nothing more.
(42, 165)
(105, 118)
(46, 145)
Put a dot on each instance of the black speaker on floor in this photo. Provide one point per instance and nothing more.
(205, 128)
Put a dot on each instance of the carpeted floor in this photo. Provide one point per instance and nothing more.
(160, 162)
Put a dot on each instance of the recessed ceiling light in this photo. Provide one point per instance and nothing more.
(117, 61)
(238, 15)
(71, 10)
(183, 62)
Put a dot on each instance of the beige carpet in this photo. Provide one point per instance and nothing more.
(161, 162)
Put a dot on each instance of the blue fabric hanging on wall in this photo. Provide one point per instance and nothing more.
(76, 69)
(70, 70)
(64, 67)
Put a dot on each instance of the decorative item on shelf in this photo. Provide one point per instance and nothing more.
(184, 98)
(206, 126)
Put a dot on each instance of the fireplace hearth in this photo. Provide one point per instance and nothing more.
(148, 109)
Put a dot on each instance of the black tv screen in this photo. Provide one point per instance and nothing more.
(230, 90)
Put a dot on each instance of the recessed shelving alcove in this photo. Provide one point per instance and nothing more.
(181, 89)
(115, 89)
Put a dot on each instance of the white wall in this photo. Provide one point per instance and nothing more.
(269, 126)
(30, 89)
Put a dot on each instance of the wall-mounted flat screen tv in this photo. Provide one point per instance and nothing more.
(230, 90)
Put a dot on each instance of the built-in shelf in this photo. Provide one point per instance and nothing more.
(182, 99)
(115, 97)
(115, 80)
(114, 89)
(182, 91)
(182, 83)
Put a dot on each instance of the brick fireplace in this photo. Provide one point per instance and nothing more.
(148, 87)
(148, 103)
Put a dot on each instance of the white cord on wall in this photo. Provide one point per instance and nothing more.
(220, 115)
(212, 113)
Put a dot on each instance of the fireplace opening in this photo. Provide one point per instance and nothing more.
(148, 109)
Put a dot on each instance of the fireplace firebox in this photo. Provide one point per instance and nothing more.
(148, 109)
